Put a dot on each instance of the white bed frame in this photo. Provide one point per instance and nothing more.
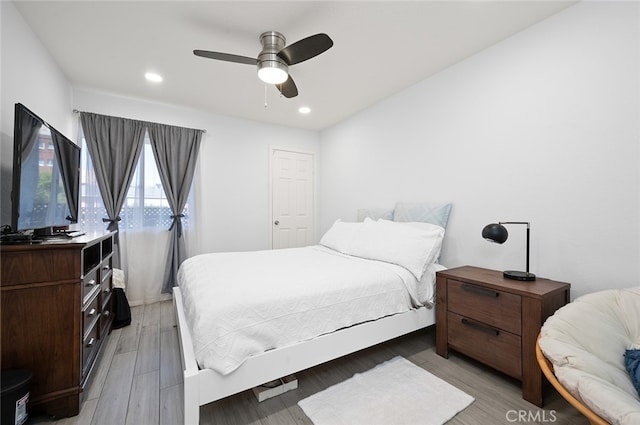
(202, 386)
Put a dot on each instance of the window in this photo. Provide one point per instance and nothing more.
(145, 207)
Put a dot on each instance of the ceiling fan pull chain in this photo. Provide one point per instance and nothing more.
(265, 96)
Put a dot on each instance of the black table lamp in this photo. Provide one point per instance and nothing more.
(496, 232)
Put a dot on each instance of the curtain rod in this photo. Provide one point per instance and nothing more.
(75, 111)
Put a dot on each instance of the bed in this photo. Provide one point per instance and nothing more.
(247, 318)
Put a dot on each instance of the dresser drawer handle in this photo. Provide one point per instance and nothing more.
(92, 312)
(480, 327)
(106, 268)
(480, 291)
(92, 282)
(90, 343)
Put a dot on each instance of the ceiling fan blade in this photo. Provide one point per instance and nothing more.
(226, 57)
(306, 48)
(288, 88)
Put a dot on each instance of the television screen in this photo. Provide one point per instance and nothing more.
(45, 174)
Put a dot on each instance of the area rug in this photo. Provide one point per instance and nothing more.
(395, 392)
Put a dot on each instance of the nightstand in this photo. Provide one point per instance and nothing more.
(496, 321)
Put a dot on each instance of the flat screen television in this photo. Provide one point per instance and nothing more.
(46, 176)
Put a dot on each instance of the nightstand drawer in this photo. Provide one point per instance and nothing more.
(494, 347)
(495, 308)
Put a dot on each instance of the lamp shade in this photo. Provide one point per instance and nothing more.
(495, 232)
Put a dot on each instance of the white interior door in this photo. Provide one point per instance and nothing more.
(292, 200)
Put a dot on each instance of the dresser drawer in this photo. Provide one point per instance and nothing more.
(105, 321)
(90, 347)
(105, 291)
(494, 347)
(89, 283)
(90, 315)
(495, 308)
(105, 269)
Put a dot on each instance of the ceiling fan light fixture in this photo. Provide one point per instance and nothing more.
(272, 72)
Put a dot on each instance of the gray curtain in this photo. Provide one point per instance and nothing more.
(114, 145)
(175, 150)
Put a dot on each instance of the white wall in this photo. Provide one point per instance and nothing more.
(542, 127)
(31, 77)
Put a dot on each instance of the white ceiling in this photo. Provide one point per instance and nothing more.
(380, 47)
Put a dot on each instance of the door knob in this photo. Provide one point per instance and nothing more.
(276, 222)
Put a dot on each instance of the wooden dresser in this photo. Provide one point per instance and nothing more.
(56, 314)
(496, 321)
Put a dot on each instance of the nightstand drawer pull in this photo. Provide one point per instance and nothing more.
(480, 291)
(480, 327)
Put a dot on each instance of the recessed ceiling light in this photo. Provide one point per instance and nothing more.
(153, 77)
(304, 109)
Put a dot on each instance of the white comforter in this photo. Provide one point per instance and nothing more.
(244, 303)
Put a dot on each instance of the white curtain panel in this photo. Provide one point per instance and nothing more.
(144, 254)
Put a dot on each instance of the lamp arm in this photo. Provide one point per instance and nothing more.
(528, 236)
(527, 248)
(515, 222)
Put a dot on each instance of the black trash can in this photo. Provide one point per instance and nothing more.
(15, 396)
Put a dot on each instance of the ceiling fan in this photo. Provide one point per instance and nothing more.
(275, 59)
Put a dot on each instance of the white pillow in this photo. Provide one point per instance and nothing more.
(341, 236)
(413, 246)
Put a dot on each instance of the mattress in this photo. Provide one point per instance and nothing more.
(241, 304)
